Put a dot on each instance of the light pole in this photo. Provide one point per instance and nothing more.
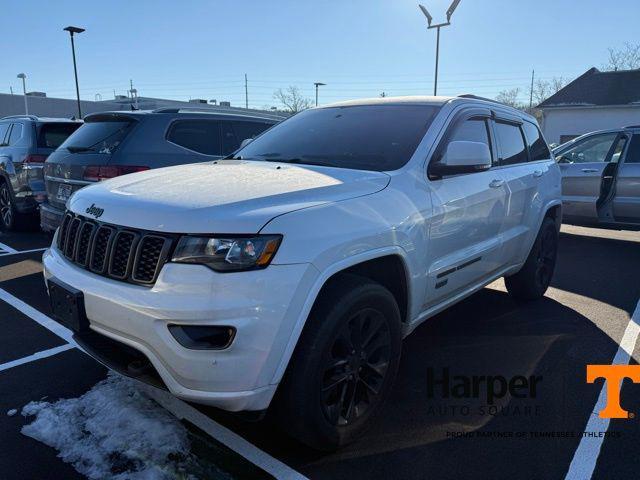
(24, 91)
(450, 11)
(71, 31)
(318, 84)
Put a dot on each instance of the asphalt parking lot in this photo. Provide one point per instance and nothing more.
(420, 434)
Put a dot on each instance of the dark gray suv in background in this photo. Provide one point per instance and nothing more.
(25, 143)
(111, 144)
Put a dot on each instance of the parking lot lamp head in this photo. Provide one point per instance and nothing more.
(426, 13)
(72, 31)
(24, 91)
(318, 84)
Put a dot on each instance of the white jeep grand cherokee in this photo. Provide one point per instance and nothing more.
(292, 270)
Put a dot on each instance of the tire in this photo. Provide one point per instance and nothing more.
(533, 279)
(349, 350)
(8, 214)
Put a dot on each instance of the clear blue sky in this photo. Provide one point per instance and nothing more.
(202, 49)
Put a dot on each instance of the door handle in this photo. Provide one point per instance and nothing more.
(497, 183)
(537, 173)
(590, 170)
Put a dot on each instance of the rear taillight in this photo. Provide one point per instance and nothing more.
(34, 159)
(96, 173)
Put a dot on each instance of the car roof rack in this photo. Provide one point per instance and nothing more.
(477, 97)
(632, 126)
(30, 117)
(218, 112)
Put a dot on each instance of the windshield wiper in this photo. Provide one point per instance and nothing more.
(78, 149)
(297, 161)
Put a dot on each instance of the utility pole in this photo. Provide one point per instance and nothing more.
(71, 31)
(246, 92)
(450, 11)
(533, 73)
(318, 84)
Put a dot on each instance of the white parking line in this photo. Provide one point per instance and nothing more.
(235, 442)
(36, 356)
(174, 405)
(16, 252)
(6, 249)
(39, 317)
(586, 456)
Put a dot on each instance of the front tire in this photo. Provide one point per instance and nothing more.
(344, 364)
(533, 279)
(7, 209)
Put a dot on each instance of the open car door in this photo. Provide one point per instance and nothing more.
(626, 202)
(588, 169)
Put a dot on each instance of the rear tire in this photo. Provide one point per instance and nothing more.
(344, 364)
(533, 279)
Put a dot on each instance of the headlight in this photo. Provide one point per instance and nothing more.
(225, 254)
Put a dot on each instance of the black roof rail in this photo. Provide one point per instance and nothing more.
(632, 126)
(477, 97)
(230, 111)
(30, 117)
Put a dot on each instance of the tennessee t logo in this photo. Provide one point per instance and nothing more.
(613, 375)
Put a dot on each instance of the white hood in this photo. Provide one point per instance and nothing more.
(229, 196)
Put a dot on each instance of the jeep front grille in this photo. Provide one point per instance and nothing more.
(121, 253)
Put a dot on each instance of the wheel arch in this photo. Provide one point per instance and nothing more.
(369, 264)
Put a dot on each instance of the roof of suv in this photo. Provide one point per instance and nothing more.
(183, 112)
(34, 118)
(429, 100)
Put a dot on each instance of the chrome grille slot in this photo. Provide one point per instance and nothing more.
(152, 253)
(100, 248)
(120, 253)
(84, 242)
(72, 236)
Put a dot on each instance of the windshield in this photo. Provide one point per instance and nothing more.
(367, 137)
(97, 137)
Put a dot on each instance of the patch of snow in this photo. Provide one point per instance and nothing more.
(114, 431)
(12, 412)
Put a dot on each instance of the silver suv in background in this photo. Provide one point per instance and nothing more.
(601, 178)
(25, 143)
(111, 144)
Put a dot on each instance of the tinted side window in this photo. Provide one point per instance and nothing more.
(589, 150)
(510, 144)
(537, 146)
(471, 130)
(246, 130)
(4, 127)
(202, 136)
(52, 135)
(633, 154)
(16, 133)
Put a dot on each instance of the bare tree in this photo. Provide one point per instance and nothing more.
(291, 99)
(625, 58)
(543, 89)
(510, 97)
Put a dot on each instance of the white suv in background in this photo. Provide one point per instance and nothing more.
(293, 269)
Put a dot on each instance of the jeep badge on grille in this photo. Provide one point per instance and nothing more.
(95, 211)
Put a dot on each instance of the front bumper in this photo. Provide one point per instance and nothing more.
(262, 305)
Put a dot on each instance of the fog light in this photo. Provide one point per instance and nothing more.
(203, 337)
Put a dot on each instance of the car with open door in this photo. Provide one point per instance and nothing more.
(601, 178)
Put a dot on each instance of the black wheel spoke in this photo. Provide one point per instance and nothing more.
(356, 366)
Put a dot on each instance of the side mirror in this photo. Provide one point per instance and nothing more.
(462, 157)
(246, 142)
